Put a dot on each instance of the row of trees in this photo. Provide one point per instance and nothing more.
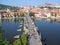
(32, 16)
(3, 41)
(21, 41)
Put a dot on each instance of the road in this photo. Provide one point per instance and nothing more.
(34, 37)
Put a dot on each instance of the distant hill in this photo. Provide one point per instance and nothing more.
(4, 7)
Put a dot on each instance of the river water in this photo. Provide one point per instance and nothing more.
(11, 26)
(50, 30)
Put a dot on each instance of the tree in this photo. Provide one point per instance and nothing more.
(32, 14)
(1, 37)
(22, 15)
(6, 42)
(1, 40)
(24, 39)
(17, 42)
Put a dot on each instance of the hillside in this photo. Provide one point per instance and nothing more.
(4, 7)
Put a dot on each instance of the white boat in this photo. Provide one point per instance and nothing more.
(20, 26)
(21, 22)
(19, 30)
(17, 36)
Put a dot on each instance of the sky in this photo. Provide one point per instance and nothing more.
(28, 2)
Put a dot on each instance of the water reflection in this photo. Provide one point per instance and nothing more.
(53, 20)
(12, 20)
(0, 24)
(50, 29)
(11, 26)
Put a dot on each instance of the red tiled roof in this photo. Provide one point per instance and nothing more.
(43, 15)
(45, 10)
(27, 7)
(21, 11)
(57, 11)
(37, 10)
(49, 5)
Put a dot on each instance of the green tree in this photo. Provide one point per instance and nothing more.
(22, 15)
(6, 42)
(24, 39)
(1, 37)
(17, 42)
(1, 40)
(32, 14)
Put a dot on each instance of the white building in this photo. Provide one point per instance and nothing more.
(48, 15)
(58, 16)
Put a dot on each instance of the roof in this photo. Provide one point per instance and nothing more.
(56, 11)
(37, 10)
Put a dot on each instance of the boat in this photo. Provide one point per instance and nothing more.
(19, 30)
(17, 36)
(20, 26)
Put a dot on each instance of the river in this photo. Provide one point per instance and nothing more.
(11, 26)
(50, 30)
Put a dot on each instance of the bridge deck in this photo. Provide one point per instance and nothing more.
(34, 37)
